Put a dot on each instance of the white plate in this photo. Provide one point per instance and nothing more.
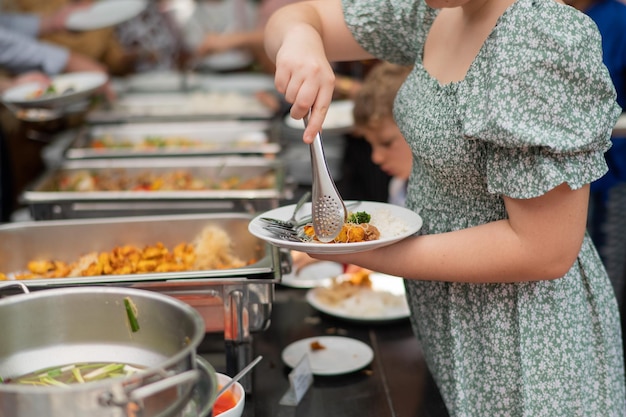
(373, 312)
(340, 356)
(339, 117)
(83, 84)
(246, 82)
(227, 61)
(409, 221)
(104, 13)
(313, 275)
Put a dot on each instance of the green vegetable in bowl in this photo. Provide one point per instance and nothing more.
(359, 217)
(78, 373)
(131, 312)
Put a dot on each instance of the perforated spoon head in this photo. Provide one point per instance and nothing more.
(329, 215)
(328, 209)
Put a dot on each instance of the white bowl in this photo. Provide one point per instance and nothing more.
(82, 85)
(239, 393)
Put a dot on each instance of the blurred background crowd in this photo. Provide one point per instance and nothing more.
(222, 36)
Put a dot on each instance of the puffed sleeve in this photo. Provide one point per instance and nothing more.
(542, 99)
(391, 30)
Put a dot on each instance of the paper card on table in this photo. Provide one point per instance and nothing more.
(300, 380)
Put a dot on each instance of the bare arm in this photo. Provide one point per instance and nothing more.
(302, 39)
(540, 241)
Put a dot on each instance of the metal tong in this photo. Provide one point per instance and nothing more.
(328, 209)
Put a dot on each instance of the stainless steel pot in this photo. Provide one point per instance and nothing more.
(90, 324)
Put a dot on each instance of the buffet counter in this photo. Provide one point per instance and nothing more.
(396, 383)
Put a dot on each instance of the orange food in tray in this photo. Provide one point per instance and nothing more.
(176, 180)
(210, 250)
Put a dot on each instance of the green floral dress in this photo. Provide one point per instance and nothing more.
(535, 110)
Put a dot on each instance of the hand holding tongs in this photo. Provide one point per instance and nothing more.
(328, 210)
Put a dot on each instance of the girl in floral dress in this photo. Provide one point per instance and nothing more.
(508, 112)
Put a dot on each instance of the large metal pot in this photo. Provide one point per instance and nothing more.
(90, 324)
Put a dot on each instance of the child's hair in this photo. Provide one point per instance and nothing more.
(374, 101)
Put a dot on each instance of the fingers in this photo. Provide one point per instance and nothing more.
(308, 84)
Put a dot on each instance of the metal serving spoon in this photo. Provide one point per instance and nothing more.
(328, 210)
(239, 376)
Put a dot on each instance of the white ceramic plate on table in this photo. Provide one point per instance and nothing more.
(312, 275)
(340, 355)
(384, 302)
(79, 85)
(399, 223)
(104, 13)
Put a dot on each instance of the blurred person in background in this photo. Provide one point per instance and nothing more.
(22, 50)
(25, 58)
(223, 35)
(97, 46)
(373, 120)
(235, 26)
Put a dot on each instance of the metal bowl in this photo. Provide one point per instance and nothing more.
(90, 324)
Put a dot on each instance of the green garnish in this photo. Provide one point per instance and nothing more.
(131, 312)
(74, 373)
(359, 217)
(51, 89)
(104, 372)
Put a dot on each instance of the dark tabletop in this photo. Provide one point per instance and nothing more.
(396, 383)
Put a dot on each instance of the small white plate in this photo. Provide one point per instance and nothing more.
(227, 61)
(407, 221)
(104, 13)
(243, 82)
(313, 275)
(341, 355)
(339, 117)
(81, 83)
(375, 311)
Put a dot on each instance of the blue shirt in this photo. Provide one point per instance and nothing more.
(610, 17)
(21, 51)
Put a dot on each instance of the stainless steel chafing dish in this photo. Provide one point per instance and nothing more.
(172, 139)
(183, 106)
(46, 203)
(236, 301)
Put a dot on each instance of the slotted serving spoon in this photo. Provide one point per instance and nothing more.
(328, 210)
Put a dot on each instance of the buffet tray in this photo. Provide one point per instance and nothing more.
(205, 138)
(209, 291)
(47, 203)
(182, 106)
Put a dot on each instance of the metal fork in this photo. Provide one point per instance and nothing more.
(282, 233)
(279, 225)
(328, 210)
(292, 222)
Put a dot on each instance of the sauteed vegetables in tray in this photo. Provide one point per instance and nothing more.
(211, 249)
(121, 180)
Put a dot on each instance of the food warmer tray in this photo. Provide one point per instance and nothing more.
(182, 106)
(46, 203)
(205, 138)
(237, 302)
